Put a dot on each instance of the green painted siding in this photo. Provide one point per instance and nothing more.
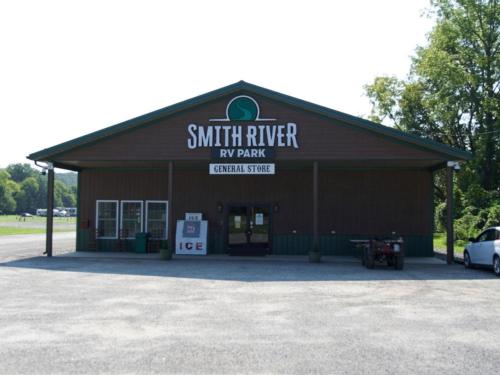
(82, 239)
(288, 244)
(415, 246)
(216, 243)
(291, 244)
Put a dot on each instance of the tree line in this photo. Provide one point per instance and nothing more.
(452, 95)
(24, 189)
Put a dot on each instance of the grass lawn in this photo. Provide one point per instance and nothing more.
(35, 219)
(13, 224)
(440, 244)
(8, 231)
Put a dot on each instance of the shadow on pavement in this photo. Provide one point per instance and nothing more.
(248, 270)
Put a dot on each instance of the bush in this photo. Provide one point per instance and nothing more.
(466, 227)
(476, 196)
(493, 217)
(440, 217)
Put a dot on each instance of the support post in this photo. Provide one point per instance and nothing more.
(50, 210)
(449, 213)
(171, 229)
(315, 206)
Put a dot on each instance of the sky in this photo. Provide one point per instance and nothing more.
(68, 68)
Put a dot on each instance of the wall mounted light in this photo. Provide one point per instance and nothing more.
(276, 207)
(220, 207)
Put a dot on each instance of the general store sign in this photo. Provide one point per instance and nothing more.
(231, 141)
(242, 168)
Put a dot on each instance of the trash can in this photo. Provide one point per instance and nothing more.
(141, 242)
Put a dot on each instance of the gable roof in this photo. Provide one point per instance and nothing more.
(48, 153)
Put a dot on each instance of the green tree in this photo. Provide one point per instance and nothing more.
(7, 190)
(452, 94)
(63, 196)
(26, 198)
(19, 172)
(24, 189)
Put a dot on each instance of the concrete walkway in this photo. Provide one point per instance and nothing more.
(222, 257)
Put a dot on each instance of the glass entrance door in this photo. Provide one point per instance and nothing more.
(238, 227)
(248, 229)
(259, 226)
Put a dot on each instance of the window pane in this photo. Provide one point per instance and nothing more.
(106, 219)
(107, 210)
(131, 219)
(157, 219)
(483, 237)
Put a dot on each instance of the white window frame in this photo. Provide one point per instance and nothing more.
(121, 216)
(166, 216)
(97, 218)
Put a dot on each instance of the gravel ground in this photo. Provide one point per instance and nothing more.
(84, 315)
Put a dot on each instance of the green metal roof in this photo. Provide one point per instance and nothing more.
(48, 153)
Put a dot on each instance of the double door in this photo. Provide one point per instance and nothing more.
(248, 228)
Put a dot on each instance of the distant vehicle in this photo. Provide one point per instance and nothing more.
(60, 213)
(484, 250)
(55, 212)
(71, 211)
(26, 214)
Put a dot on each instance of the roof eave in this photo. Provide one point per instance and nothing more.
(451, 152)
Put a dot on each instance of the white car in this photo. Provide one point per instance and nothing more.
(484, 250)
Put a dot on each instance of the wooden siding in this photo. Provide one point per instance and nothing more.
(319, 139)
(351, 203)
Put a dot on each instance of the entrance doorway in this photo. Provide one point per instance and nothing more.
(248, 228)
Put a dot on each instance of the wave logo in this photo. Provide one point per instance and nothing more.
(242, 108)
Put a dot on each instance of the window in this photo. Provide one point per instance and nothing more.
(487, 235)
(131, 219)
(107, 219)
(491, 235)
(156, 219)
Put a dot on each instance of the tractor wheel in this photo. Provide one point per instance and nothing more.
(363, 257)
(399, 262)
(370, 261)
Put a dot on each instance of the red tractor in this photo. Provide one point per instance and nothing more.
(386, 250)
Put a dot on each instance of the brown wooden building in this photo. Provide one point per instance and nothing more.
(265, 169)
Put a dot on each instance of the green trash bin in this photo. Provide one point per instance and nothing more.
(141, 242)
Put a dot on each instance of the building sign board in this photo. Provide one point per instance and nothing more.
(191, 237)
(243, 153)
(193, 216)
(241, 168)
(233, 136)
(254, 141)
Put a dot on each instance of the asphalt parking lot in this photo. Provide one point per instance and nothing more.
(30, 245)
(84, 315)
